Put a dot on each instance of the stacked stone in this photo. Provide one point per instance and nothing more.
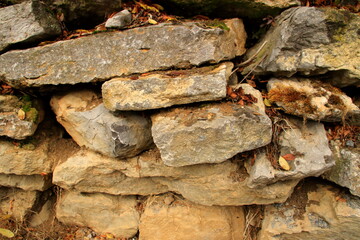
(168, 137)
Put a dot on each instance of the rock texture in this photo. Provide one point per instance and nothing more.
(316, 212)
(194, 135)
(26, 182)
(96, 173)
(226, 8)
(101, 212)
(168, 88)
(92, 125)
(311, 99)
(311, 41)
(119, 20)
(17, 203)
(181, 219)
(346, 172)
(112, 54)
(27, 22)
(307, 143)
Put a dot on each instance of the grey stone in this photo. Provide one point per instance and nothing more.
(119, 20)
(181, 216)
(46, 213)
(102, 212)
(103, 56)
(84, 117)
(165, 89)
(308, 143)
(346, 172)
(87, 171)
(315, 211)
(26, 182)
(209, 134)
(17, 203)
(9, 102)
(27, 22)
(226, 8)
(311, 41)
(21, 161)
(311, 99)
(13, 127)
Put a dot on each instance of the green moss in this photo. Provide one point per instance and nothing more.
(32, 115)
(217, 24)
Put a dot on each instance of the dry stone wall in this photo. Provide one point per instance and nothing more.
(147, 133)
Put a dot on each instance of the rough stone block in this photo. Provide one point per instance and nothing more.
(164, 89)
(26, 182)
(119, 20)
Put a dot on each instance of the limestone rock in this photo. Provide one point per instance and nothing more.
(84, 14)
(13, 127)
(26, 22)
(165, 89)
(102, 212)
(315, 211)
(26, 182)
(311, 99)
(208, 134)
(103, 56)
(46, 213)
(22, 161)
(87, 171)
(119, 20)
(346, 172)
(17, 203)
(9, 102)
(311, 41)
(92, 125)
(307, 143)
(226, 8)
(182, 219)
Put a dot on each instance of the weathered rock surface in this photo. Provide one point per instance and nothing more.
(119, 20)
(311, 41)
(165, 89)
(26, 182)
(311, 99)
(315, 211)
(87, 171)
(13, 127)
(85, 13)
(346, 172)
(208, 134)
(23, 161)
(90, 124)
(226, 8)
(113, 54)
(307, 143)
(102, 212)
(27, 22)
(17, 203)
(182, 219)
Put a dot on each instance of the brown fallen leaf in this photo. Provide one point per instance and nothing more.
(289, 157)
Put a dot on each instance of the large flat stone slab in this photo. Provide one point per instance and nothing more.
(306, 143)
(311, 99)
(26, 182)
(209, 134)
(164, 89)
(26, 22)
(113, 54)
(311, 41)
(179, 219)
(87, 171)
(315, 211)
(122, 134)
(102, 212)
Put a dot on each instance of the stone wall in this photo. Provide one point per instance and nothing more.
(175, 130)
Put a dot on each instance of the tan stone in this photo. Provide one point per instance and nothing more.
(182, 219)
(102, 212)
(26, 182)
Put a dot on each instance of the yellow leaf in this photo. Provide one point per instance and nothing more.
(109, 236)
(152, 21)
(267, 102)
(158, 7)
(21, 114)
(284, 164)
(6, 233)
(147, 7)
(5, 217)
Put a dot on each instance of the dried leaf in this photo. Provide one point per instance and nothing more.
(158, 7)
(152, 21)
(267, 102)
(284, 164)
(21, 114)
(6, 233)
(289, 157)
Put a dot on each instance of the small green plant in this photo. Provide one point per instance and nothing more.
(31, 114)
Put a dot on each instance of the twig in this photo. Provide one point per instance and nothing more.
(253, 68)
(253, 56)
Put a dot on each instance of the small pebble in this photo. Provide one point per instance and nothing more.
(350, 143)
